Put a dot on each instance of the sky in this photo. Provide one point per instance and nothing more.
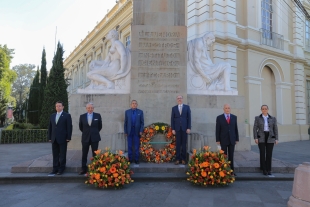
(28, 26)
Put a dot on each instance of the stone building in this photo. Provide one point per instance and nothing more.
(267, 43)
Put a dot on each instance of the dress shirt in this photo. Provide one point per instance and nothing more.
(58, 116)
(266, 127)
(89, 118)
(180, 108)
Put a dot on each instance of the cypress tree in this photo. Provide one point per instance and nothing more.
(56, 88)
(43, 78)
(33, 102)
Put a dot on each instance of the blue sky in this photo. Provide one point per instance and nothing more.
(29, 25)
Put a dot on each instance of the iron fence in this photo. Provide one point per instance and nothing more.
(271, 39)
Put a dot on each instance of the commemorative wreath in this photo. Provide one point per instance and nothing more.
(148, 153)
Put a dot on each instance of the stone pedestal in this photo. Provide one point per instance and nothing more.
(301, 188)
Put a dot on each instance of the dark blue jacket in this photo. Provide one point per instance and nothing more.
(61, 131)
(183, 120)
(139, 123)
(90, 132)
(226, 133)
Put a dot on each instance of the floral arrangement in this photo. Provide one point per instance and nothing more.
(209, 168)
(148, 153)
(109, 170)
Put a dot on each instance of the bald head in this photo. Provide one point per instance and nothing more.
(226, 108)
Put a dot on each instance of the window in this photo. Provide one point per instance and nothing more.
(307, 42)
(308, 99)
(267, 18)
(127, 41)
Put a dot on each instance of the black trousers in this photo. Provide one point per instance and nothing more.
(85, 149)
(59, 156)
(181, 140)
(229, 151)
(265, 152)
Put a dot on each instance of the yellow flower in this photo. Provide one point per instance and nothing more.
(157, 128)
(163, 128)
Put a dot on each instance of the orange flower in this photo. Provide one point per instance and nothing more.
(120, 152)
(206, 147)
(102, 169)
(115, 175)
(112, 169)
(194, 151)
(97, 152)
(97, 176)
(222, 174)
(216, 165)
(203, 174)
(221, 151)
(204, 164)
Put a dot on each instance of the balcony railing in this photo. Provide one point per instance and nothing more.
(271, 39)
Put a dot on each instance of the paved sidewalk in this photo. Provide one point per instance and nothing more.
(31, 161)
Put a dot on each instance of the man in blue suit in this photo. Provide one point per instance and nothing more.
(181, 126)
(133, 128)
(90, 125)
(59, 134)
(226, 133)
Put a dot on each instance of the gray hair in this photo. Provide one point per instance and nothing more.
(90, 103)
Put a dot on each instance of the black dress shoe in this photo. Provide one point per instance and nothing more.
(235, 174)
(82, 172)
(60, 172)
(53, 172)
(269, 173)
(264, 172)
(137, 162)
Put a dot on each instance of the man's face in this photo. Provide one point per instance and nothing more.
(134, 105)
(89, 108)
(226, 109)
(59, 107)
(179, 99)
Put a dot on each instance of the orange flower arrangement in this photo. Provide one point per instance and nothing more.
(148, 153)
(109, 170)
(209, 168)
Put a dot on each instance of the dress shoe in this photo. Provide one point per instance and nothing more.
(183, 162)
(82, 172)
(177, 162)
(137, 162)
(264, 172)
(53, 172)
(234, 174)
(269, 173)
(60, 172)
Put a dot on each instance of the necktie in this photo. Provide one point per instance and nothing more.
(228, 119)
(89, 120)
(57, 117)
(180, 109)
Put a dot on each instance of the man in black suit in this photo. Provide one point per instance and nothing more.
(90, 125)
(59, 134)
(227, 133)
(181, 126)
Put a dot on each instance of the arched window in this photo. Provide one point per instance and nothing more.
(269, 90)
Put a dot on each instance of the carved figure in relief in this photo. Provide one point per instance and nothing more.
(216, 76)
(103, 73)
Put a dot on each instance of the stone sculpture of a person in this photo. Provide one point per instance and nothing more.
(216, 76)
(103, 73)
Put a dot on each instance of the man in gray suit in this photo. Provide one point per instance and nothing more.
(133, 128)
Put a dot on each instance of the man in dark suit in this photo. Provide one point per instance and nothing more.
(59, 134)
(181, 126)
(227, 133)
(133, 128)
(90, 125)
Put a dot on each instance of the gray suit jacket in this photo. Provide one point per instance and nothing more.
(258, 129)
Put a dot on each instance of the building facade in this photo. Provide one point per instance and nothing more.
(267, 43)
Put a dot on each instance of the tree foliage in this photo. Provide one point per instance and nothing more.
(56, 88)
(43, 79)
(21, 85)
(33, 102)
(7, 77)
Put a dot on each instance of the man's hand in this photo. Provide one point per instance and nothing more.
(140, 133)
(218, 143)
(188, 131)
(125, 135)
(68, 140)
(50, 140)
(173, 132)
(237, 142)
(256, 141)
(276, 142)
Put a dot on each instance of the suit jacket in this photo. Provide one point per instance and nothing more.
(62, 131)
(181, 121)
(90, 132)
(226, 133)
(139, 124)
(258, 129)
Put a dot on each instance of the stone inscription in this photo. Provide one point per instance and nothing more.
(159, 62)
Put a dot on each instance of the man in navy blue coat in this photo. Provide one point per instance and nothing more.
(133, 128)
(90, 125)
(227, 133)
(59, 134)
(181, 126)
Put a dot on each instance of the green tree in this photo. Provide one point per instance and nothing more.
(56, 88)
(43, 79)
(7, 77)
(33, 102)
(21, 85)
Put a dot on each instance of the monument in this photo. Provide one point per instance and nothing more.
(158, 66)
